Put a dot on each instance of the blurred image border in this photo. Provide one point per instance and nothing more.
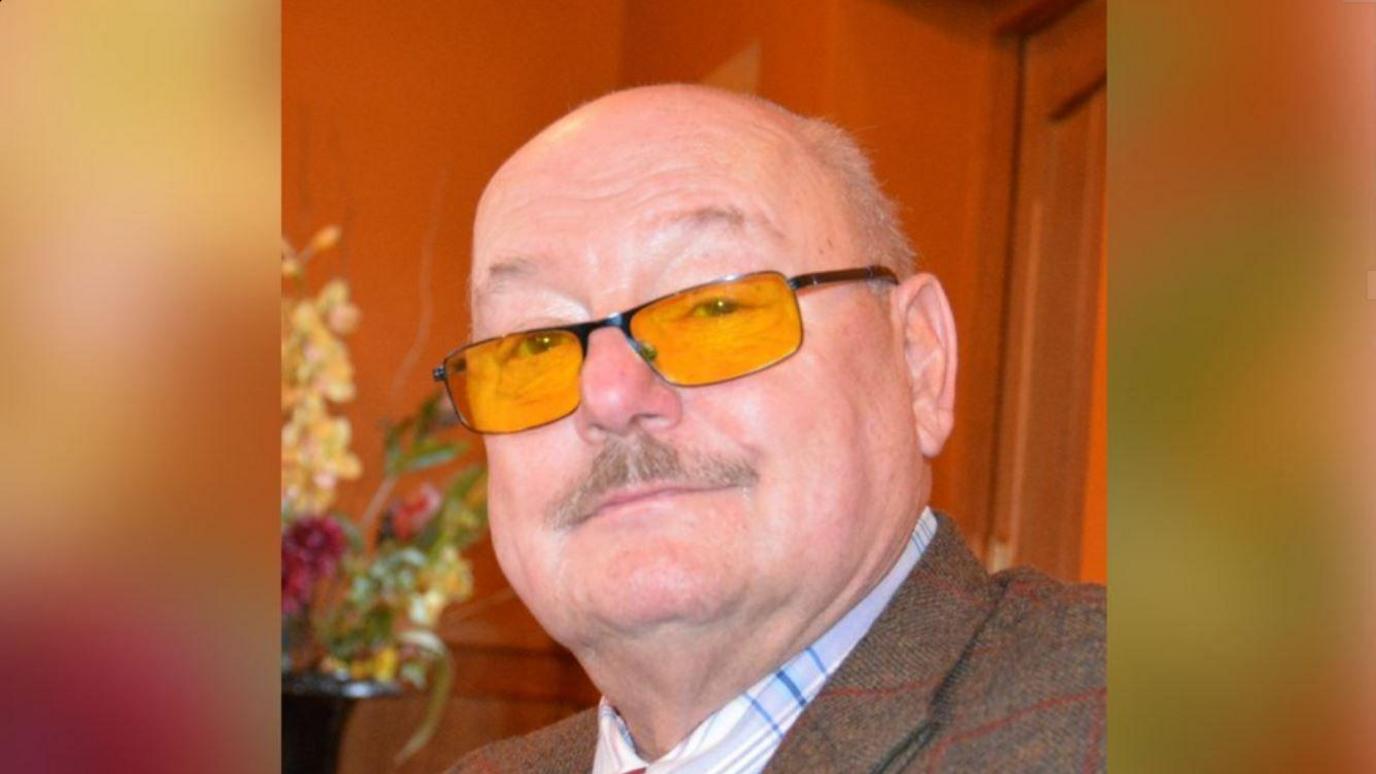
(140, 202)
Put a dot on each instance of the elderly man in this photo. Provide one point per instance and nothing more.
(711, 383)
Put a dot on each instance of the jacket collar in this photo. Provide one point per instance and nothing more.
(881, 706)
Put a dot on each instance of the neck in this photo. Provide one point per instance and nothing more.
(663, 693)
(664, 686)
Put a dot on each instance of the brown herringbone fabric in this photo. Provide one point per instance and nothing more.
(961, 672)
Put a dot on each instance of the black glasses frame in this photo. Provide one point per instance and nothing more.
(622, 321)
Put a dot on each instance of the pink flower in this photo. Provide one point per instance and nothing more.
(411, 515)
(296, 582)
(311, 549)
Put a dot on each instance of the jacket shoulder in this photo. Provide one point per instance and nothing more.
(1045, 625)
(1031, 691)
(566, 746)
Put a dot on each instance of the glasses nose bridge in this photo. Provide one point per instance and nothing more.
(622, 322)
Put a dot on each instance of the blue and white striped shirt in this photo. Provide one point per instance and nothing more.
(742, 735)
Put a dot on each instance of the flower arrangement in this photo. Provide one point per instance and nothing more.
(361, 598)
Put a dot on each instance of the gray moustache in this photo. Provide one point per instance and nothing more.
(643, 459)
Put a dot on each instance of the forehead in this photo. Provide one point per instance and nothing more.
(641, 192)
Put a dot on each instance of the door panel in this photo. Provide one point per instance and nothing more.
(1056, 261)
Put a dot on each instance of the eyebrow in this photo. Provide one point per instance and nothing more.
(515, 266)
(503, 271)
(706, 217)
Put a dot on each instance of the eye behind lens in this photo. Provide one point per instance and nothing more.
(715, 307)
(535, 343)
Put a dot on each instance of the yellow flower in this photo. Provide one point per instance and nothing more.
(343, 318)
(316, 369)
(315, 455)
(423, 609)
(448, 579)
(382, 666)
(385, 664)
(335, 293)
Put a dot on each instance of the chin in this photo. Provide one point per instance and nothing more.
(661, 590)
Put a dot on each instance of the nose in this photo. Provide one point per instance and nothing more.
(620, 392)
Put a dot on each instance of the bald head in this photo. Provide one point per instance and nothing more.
(677, 126)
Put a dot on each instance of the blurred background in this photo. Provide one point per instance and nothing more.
(154, 154)
(986, 121)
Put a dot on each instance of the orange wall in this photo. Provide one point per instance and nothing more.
(393, 118)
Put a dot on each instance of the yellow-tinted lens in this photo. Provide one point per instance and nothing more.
(518, 381)
(720, 331)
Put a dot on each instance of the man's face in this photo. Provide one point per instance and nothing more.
(757, 504)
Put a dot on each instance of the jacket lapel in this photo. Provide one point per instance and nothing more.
(880, 707)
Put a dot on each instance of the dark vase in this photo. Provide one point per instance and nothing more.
(315, 708)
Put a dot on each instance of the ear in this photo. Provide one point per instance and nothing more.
(923, 319)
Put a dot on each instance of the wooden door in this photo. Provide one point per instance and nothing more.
(1047, 419)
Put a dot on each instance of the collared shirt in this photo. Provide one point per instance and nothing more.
(743, 734)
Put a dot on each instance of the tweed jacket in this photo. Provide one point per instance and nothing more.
(963, 671)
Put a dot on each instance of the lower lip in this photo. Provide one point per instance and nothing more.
(638, 502)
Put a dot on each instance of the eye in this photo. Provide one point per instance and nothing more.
(536, 344)
(715, 307)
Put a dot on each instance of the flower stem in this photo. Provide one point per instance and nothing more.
(369, 521)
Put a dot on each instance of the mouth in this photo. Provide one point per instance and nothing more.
(622, 499)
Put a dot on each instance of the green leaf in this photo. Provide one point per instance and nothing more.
(391, 442)
(347, 645)
(464, 480)
(473, 526)
(426, 454)
(377, 626)
(462, 525)
(350, 530)
(437, 528)
(439, 690)
(426, 415)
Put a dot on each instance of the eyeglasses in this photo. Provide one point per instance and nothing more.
(706, 334)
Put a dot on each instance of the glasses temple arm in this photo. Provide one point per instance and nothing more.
(441, 371)
(844, 275)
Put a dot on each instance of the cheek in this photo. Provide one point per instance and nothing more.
(829, 425)
(522, 481)
(525, 470)
(792, 425)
